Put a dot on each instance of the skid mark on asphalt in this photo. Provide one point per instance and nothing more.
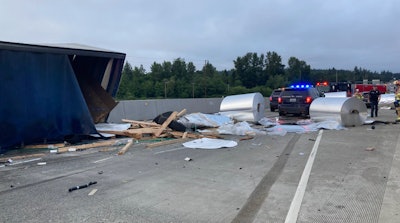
(253, 204)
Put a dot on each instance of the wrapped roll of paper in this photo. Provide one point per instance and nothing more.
(347, 111)
(244, 107)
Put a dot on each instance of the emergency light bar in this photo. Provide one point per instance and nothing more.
(301, 86)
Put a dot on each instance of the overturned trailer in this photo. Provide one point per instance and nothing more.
(50, 92)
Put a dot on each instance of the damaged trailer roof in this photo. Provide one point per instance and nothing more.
(55, 90)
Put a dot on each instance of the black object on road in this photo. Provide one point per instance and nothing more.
(174, 125)
(82, 186)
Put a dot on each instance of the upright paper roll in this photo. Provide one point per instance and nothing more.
(347, 111)
(244, 107)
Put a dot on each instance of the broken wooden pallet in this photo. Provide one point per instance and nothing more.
(141, 129)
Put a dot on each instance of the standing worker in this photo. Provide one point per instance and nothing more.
(397, 100)
(374, 97)
(358, 95)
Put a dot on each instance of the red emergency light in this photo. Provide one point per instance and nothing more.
(325, 83)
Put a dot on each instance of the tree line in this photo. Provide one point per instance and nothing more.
(251, 73)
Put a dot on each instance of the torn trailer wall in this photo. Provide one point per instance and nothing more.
(49, 93)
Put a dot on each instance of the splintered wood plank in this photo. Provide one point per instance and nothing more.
(187, 135)
(125, 148)
(181, 113)
(141, 123)
(143, 130)
(166, 123)
(166, 142)
(43, 146)
(124, 133)
(88, 146)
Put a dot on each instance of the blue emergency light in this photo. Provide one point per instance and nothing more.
(301, 86)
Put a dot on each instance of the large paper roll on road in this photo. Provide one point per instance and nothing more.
(347, 111)
(244, 107)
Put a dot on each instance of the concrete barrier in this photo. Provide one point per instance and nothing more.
(149, 109)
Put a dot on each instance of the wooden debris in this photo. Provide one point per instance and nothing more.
(142, 123)
(166, 123)
(123, 133)
(125, 148)
(139, 129)
(181, 113)
(134, 133)
(187, 135)
(44, 146)
(246, 138)
(166, 142)
(88, 146)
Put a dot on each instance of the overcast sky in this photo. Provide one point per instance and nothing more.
(323, 33)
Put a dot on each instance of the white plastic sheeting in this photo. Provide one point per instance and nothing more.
(347, 111)
(110, 127)
(207, 143)
(244, 107)
(205, 120)
(281, 130)
(387, 101)
(240, 128)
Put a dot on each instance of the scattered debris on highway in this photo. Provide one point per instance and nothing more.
(82, 186)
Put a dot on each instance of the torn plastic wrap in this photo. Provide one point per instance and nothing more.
(244, 107)
(387, 101)
(347, 111)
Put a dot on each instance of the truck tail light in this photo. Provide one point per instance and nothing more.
(279, 100)
(270, 98)
(308, 99)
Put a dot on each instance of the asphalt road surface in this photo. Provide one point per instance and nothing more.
(349, 175)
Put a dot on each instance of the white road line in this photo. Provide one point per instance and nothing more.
(98, 161)
(293, 212)
(25, 161)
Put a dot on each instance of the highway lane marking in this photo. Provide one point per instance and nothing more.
(25, 161)
(294, 209)
(98, 161)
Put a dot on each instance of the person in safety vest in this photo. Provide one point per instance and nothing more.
(357, 94)
(397, 100)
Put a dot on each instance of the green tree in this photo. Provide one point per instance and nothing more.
(178, 69)
(249, 69)
(125, 83)
(298, 70)
(273, 64)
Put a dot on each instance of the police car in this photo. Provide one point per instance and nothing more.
(273, 99)
(297, 99)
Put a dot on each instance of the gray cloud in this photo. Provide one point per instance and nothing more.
(332, 33)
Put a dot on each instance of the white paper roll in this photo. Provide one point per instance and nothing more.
(244, 107)
(347, 111)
